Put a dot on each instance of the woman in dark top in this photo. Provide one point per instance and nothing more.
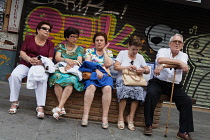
(32, 47)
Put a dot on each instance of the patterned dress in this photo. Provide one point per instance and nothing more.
(129, 92)
(99, 60)
(65, 79)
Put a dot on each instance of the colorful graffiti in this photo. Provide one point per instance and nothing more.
(5, 59)
(87, 26)
(84, 5)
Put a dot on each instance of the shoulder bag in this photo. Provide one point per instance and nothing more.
(131, 78)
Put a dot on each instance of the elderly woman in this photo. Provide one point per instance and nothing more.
(32, 47)
(132, 60)
(70, 54)
(100, 56)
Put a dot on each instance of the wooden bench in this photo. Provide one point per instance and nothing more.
(74, 106)
(75, 103)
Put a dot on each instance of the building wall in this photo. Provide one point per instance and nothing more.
(154, 21)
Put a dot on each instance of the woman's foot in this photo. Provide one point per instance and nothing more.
(63, 111)
(121, 125)
(105, 125)
(14, 107)
(130, 124)
(56, 112)
(40, 112)
(84, 123)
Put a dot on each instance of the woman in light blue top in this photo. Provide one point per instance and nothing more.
(103, 57)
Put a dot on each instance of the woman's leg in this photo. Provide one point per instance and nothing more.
(41, 92)
(130, 117)
(120, 123)
(88, 99)
(58, 92)
(15, 81)
(106, 101)
(122, 105)
(65, 95)
(134, 105)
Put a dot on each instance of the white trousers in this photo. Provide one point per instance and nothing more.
(15, 81)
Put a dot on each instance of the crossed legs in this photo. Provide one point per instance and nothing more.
(62, 96)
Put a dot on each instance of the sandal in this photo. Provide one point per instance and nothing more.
(63, 111)
(84, 123)
(13, 110)
(130, 124)
(105, 125)
(56, 112)
(40, 115)
(121, 125)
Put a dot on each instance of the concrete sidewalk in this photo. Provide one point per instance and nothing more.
(25, 126)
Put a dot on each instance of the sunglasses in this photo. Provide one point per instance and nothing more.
(46, 29)
(132, 62)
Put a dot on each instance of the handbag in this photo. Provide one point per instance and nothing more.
(131, 78)
(86, 75)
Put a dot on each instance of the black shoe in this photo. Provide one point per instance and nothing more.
(184, 136)
(148, 130)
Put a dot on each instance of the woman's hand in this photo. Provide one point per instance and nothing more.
(70, 62)
(105, 48)
(34, 61)
(68, 67)
(132, 67)
(140, 71)
(99, 74)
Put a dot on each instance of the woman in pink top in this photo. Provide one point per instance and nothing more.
(32, 47)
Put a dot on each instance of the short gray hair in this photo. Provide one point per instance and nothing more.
(176, 35)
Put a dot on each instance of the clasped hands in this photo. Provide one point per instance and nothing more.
(35, 61)
(70, 63)
(138, 71)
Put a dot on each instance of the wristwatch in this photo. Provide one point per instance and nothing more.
(164, 65)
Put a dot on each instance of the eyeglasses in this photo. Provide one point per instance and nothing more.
(132, 62)
(177, 41)
(72, 36)
(46, 29)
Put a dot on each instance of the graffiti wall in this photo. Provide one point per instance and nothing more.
(154, 21)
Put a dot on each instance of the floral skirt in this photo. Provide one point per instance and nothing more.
(129, 92)
(65, 79)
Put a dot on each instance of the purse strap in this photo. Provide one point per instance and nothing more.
(79, 63)
(132, 75)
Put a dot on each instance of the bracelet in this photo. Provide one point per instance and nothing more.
(63, 60)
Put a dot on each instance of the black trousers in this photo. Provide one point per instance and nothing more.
(183, 103)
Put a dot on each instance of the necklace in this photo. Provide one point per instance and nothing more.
(38, 42)
(70, 49)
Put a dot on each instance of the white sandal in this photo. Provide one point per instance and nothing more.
(63, 111)
(13, 110)
(56, 112)
(39, 114)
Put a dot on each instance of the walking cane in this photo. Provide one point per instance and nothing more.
(169, 109)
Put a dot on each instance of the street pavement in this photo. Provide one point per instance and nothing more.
(24, 125)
